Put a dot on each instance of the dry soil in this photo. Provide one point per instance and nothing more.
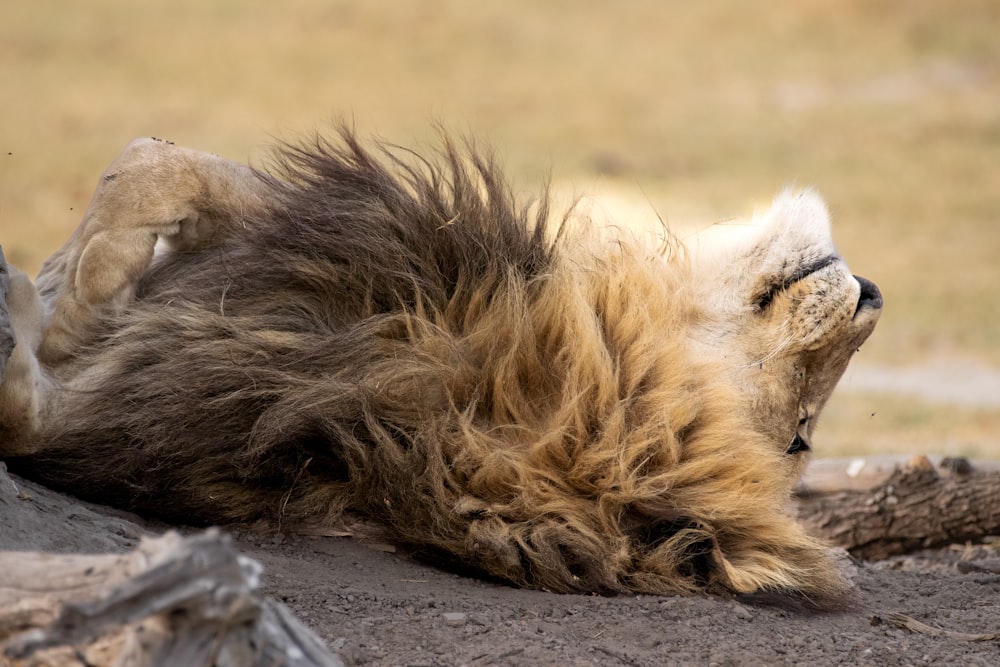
(377, 607)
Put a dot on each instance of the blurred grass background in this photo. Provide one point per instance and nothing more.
(701, 110)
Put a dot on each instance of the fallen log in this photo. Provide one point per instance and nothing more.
(172, 601)
(891, 508)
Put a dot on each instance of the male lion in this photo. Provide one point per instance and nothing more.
(553, 404)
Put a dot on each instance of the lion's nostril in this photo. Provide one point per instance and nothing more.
(870, 296)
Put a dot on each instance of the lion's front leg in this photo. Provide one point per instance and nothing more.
(153, 190)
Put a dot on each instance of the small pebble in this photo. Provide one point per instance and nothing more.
(742, 612)
(454, 618)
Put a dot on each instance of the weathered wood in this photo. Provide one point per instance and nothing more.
(173, 601)
(913, 625)
(916, 506)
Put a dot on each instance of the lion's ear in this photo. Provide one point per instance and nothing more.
(796, 221)
(794, 229)
(742, 257)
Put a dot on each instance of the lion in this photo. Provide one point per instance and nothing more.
(359, 330)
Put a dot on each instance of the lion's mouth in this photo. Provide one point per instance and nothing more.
(870, 297)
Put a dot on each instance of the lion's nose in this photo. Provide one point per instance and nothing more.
(870, 296)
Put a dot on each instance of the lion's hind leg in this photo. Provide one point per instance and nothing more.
(154, 191)
(24, 388)
(7, 337)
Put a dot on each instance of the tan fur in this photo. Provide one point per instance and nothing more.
(559, 406)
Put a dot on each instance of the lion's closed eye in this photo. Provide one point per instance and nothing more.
(763, 300)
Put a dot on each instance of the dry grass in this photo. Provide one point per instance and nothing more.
(945, 406)
(855, 424)
(889, 107)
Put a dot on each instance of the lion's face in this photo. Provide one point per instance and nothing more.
(783, 315)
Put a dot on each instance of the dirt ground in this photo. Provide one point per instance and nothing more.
(373, 606)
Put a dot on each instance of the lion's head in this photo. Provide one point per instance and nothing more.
(784, 315)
